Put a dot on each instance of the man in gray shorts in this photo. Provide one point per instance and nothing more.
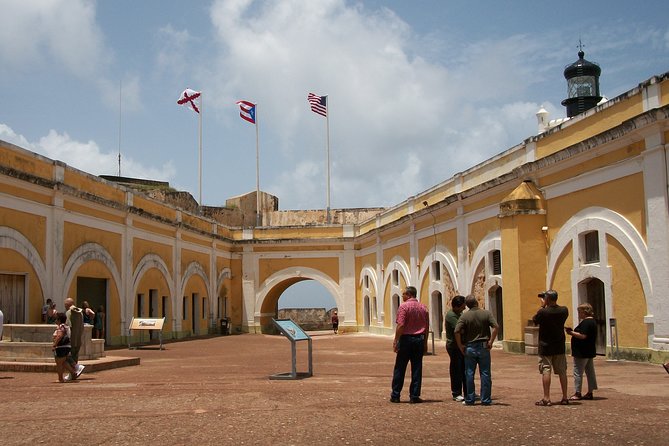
(551, 318)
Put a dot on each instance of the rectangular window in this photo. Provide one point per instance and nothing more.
(184, 308)
(164, 306)
(591, 242)
(496, 262)
(366, 281)
(204, 308)
(436, 270)
(396, 277)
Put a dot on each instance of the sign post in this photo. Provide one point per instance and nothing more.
(294, 333)
(141, 324)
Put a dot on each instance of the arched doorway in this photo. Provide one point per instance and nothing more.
(394, 305)
(593, 292)
(310, 291)
(437, 311)
(497, 309)
(366, 315)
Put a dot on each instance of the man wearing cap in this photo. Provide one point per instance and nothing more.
(551, 318)
(475, 338)
(410, 344)
(456, 368)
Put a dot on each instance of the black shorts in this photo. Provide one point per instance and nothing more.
(61, 352)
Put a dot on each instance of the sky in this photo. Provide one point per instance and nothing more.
(417, 90)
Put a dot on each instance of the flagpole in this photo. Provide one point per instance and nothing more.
(258, 218)
(200, 150)
(327, 157)
(120, 104)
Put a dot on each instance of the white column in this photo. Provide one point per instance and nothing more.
(657, 209)
(249, 280)
(347, 285)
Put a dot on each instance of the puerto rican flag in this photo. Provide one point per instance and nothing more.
(189, 99)
(247, 111)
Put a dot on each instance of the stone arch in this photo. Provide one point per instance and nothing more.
(491, 242)
(444, 256)
(217, 303)
(372, 291)
(396, 290)
(271, 289)
(148, 262)
(397, 263)
(606, 222)
(194, 269)
(610, 223)
(90, 252)
(14, 240)
(226, 273)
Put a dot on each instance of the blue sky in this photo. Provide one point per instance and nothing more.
(418, 90)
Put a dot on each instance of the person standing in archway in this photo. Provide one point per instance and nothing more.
(335, 322)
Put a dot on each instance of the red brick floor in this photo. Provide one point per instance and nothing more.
(217, 391)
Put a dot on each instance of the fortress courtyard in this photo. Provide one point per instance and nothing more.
(217, 391)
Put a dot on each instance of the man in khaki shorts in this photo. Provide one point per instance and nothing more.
(551, 318)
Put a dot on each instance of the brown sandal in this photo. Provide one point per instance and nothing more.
(564, 402)
(543, 402)
(587, 396)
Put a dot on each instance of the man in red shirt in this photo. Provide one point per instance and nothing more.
(410, 344)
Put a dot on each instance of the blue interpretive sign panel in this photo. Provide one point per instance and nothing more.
(294, 333)
(291, 330)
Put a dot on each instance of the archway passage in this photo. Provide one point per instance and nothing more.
(308, 300)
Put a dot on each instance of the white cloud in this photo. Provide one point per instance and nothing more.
(391, 110)
(86, 156)
(54, 32)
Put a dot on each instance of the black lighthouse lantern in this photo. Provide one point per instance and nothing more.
(582, 85)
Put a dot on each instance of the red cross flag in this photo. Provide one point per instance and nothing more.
(188, 99)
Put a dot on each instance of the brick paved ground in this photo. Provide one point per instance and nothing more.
(217, 391)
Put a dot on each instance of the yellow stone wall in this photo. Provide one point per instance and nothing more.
(76, 235)
(629, 304)
(32, 227)
(13, 263)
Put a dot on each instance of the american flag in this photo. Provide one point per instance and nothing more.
(319, 104)
(247, 111)
(187, 99)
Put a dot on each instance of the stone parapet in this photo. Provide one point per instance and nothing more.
(33, 342)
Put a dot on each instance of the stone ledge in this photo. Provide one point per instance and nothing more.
(97, 365)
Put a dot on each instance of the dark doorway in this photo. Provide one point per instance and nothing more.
(395, 305)
(497, 309)
(13, 298)
(195, 307)
(594, 290)
(93, 291)
(438, 314)
(366, 312)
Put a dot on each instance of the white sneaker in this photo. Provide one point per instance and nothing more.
(79, 370)
(67, 377)
(459, 398)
